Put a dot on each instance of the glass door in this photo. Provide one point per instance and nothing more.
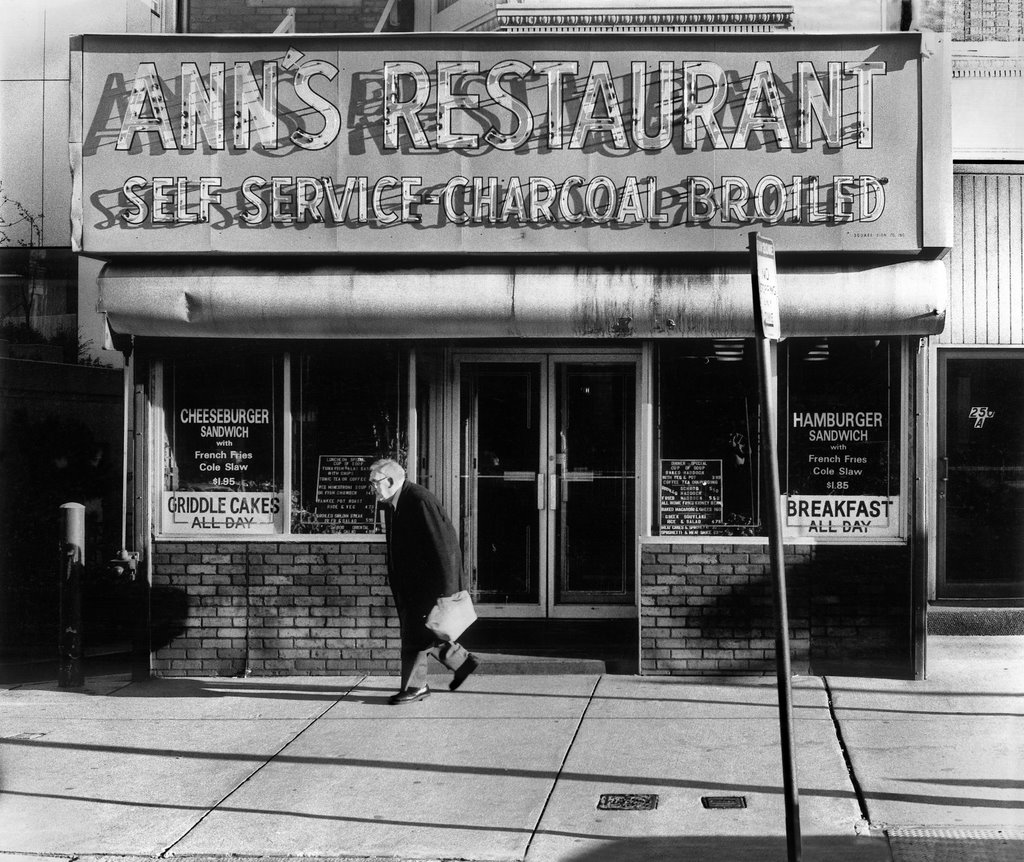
(501, 483)
(547, 482)
(595, 504)
(981, 475)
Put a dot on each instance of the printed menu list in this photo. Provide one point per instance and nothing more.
(343, 493)
(691, 495)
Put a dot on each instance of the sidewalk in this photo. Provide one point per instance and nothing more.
(513, 767)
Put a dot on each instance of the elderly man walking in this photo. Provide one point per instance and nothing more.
(424, 563)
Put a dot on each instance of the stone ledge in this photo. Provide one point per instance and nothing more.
(959, 620)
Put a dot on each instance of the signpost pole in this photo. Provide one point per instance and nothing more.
(766, 314)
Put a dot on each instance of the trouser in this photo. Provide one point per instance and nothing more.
(419, 645)
(414, 662)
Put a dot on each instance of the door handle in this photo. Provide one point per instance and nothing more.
(552, 491)
(541, 502)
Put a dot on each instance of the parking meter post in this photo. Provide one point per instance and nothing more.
(71, 672)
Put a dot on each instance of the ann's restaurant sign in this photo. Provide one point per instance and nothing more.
(514, 144)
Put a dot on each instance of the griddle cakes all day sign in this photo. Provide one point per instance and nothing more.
(425, 143)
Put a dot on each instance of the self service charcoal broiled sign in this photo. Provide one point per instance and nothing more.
(481, 143)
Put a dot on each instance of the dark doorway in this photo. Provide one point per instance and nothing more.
(981, 474)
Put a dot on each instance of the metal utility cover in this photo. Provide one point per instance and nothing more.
(627, 802)
(724, 801)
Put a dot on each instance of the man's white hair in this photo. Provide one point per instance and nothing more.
(388, 467)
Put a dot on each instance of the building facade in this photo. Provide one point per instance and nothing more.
(558, 339)
(977, 361)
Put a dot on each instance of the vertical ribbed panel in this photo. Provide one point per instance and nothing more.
(986, 269)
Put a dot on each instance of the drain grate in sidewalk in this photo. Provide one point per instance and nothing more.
(724, 801)
(627, 802)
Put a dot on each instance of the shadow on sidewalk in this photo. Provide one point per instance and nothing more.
(772, 848)
(259, 688)
(385, 767)
(657, 689)
(103, 661)
(727, 848)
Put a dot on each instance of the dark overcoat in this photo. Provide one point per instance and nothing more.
(424, 557)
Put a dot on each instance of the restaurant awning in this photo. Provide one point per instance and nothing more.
(312, 300)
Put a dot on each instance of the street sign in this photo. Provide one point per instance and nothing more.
(767, 283)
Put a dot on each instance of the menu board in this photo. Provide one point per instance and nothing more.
(224, 447)
(691, 495)
(838, 451)
(343, 494)
(230, 511)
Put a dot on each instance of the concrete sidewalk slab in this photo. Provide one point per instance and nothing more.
(976, 676)
(463, 774)
(122, 786)
(683, 760)
(967, 663)
(426, 787)
(512, 767)
(947, 770)
(686, 739)
(736, 697)
(947, 751)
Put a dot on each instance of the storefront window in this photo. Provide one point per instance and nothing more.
(225, 467)
(294, 16)
(223, 445)
(38, 299)
(840, 451)
(707, 471)
(346, 409)
(839, 438)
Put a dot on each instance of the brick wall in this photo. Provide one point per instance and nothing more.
(323, 608)
(228, 608)
(708, 609)
(861, 610)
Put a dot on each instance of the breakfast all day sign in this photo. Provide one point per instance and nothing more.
(494, 143)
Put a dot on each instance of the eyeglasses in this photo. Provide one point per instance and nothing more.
(375, 482)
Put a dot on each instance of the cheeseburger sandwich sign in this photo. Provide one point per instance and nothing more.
(485, 143)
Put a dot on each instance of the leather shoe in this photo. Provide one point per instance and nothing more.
(465, 669)
(409, 695)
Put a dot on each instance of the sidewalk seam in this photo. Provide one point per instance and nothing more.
(561, 767)
(862, 802)
(163, 853)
